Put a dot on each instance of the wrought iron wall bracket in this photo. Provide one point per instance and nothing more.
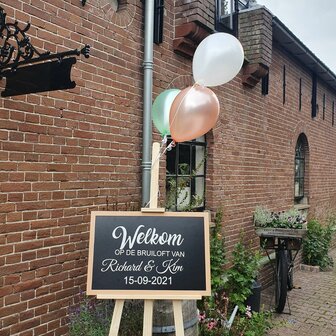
(16, 49)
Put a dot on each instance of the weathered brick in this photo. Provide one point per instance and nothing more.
(13, 309)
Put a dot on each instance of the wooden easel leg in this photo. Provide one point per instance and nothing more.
(148, 318)
(178, 317)
(118, 308)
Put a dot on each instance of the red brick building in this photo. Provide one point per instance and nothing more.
(65, 153)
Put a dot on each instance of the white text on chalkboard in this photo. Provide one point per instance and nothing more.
(149, 237)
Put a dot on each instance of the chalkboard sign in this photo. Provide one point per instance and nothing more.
(149, 255)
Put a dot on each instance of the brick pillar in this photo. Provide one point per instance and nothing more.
(255, 34)
(194, 20)
(202, 11)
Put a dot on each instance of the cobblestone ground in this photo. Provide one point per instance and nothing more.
(312, 304)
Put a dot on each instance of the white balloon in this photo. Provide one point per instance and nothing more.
(217, 59)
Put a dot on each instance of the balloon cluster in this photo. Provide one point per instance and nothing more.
(192, 112)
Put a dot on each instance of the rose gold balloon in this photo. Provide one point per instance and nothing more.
(193, 113)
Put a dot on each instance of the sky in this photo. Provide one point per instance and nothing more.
(312, 21)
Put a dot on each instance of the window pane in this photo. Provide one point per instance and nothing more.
(199, 192)
(199, 160)
(301, 187)
(299, 168)
(184, 160)
(171, 193)
(297, 189)
(171, 161)
(183, 193)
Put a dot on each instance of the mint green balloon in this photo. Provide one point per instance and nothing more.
(161, 109)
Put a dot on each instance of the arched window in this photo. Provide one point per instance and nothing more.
(114, 4)
(185, 176)
(301, 151)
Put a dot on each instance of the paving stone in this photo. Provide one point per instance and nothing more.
(312, 303)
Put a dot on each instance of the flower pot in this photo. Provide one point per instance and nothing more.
(280, 233)
(254, 299)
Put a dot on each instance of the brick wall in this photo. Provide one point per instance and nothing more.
(255, 166)
(66, 153)
(195, 10)
(63, 154)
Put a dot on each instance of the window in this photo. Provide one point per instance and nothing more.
(300, 94)
(158, 21)
(284, 84)
(265, 84)
(185, 180)
(314, 96)
(119, 12)
(299, 169)
(324, 106)
(114, 4)
(224, 15)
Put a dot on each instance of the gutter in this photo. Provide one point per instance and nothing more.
(287, 40)
(147, 101)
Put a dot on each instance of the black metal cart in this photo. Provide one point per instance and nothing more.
(286, 243)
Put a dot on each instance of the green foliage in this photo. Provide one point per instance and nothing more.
(210, 327)
(242, 274)
(92, 317)
(291, 219)
(217, 254)
(89, 318)
(252, 324)
(248, 324)
(331, 223)
(262, 217)
(230, 288)
(317, 243)
(213, 316)
(214, 308)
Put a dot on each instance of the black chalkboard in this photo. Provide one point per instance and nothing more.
(149, 255)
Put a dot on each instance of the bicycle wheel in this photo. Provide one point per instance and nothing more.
(290, 266)
(280, 281)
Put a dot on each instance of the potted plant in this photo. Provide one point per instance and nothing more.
(289, 223)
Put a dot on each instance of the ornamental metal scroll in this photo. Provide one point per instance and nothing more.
(17, 52)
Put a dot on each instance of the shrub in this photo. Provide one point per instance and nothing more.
(252, 324)
(217, 254)
(316, 245)
(92, 317)
(89, 318)
(242, 274)
(213, 309)
(230, 288)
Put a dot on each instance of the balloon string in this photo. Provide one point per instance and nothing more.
(178, 107)
(161, 153)
(169, 147)
(164, 140)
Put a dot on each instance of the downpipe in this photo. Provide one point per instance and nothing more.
(147, 101)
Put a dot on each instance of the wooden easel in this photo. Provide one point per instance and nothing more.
(148, 303)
